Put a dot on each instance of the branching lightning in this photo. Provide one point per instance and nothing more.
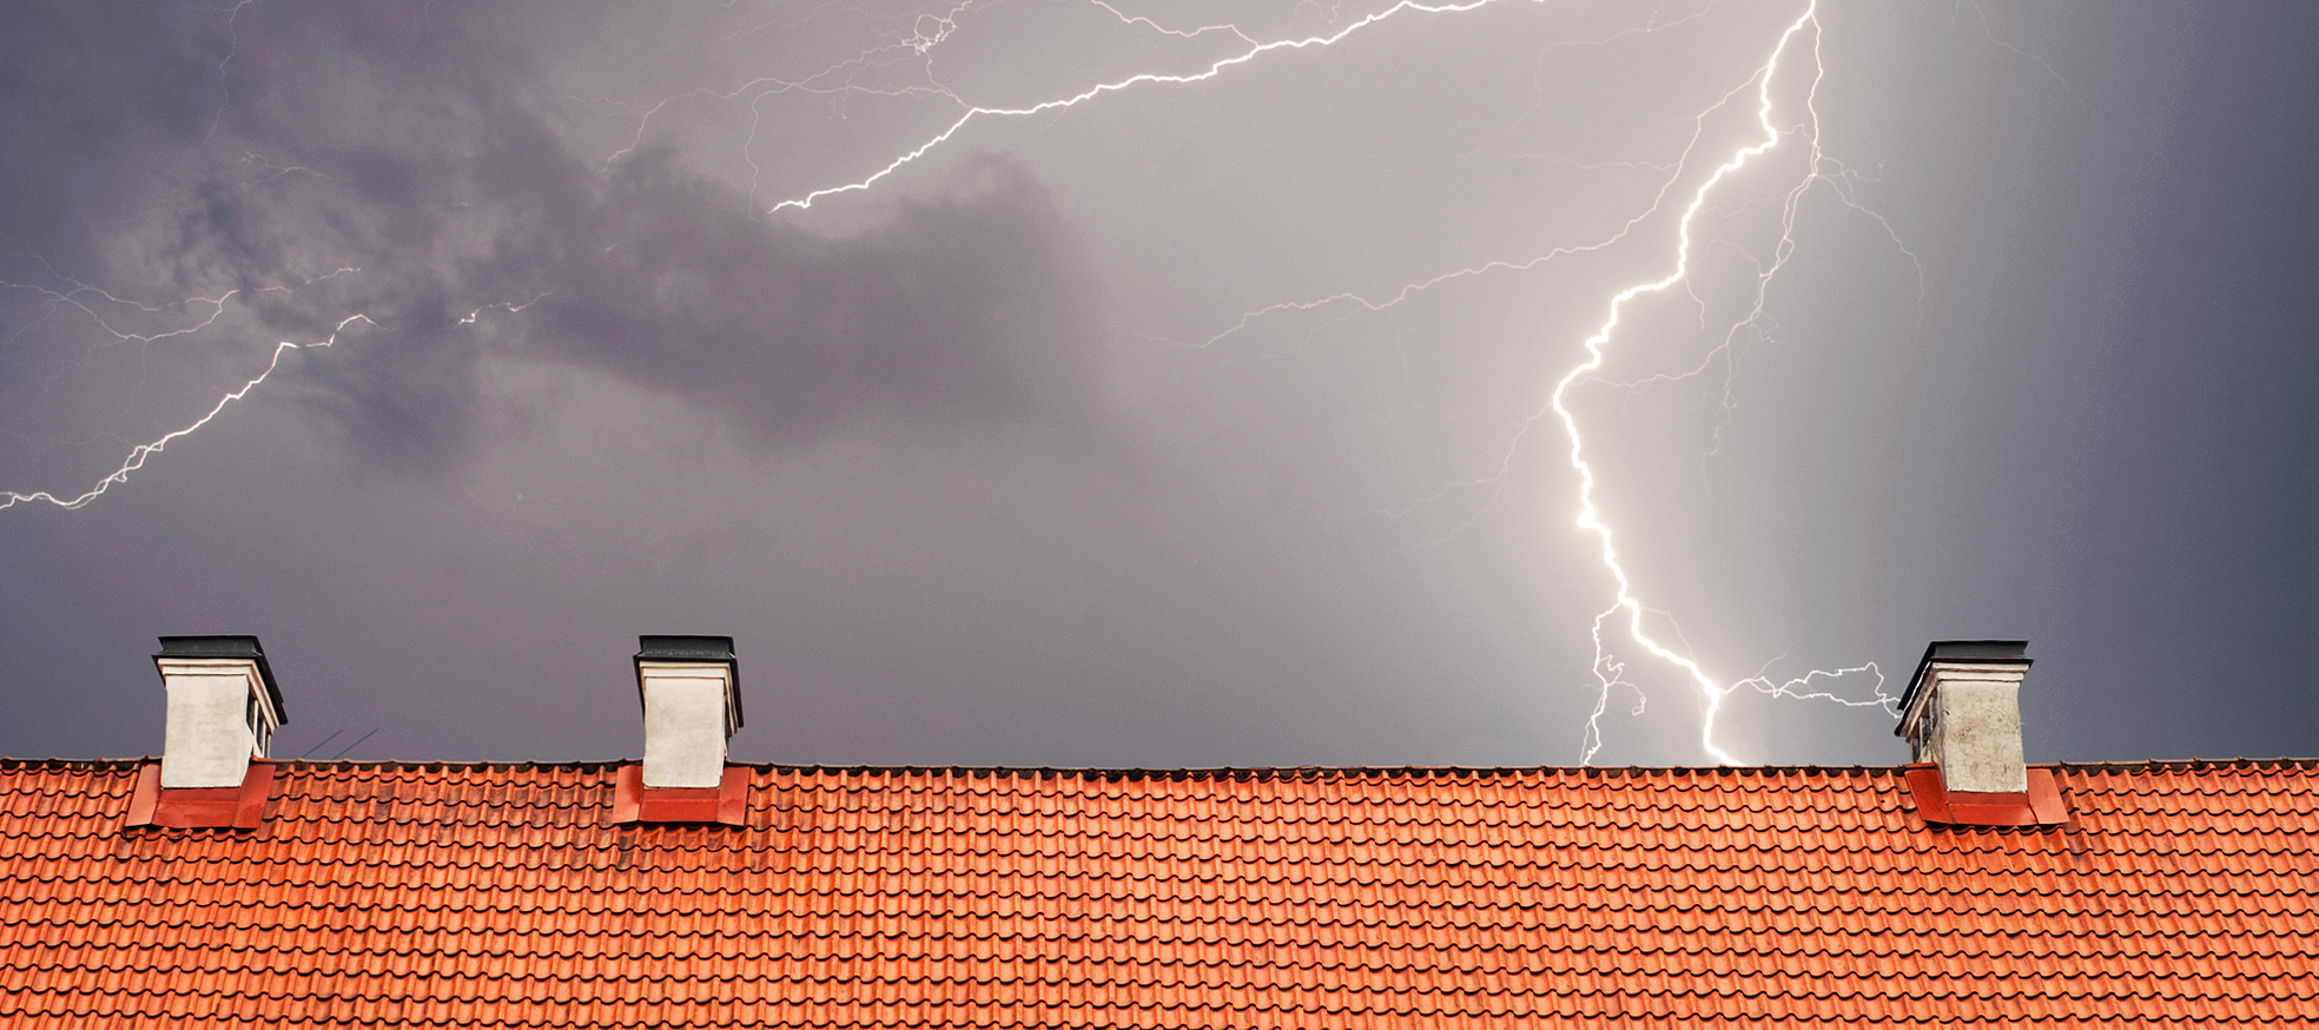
(1214, 69)
(1627, 611)
(1627, 614)
(72, 298)
(138, 454)
(1607, 671)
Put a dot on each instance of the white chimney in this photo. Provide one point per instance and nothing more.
(223, 709)
(1962, 712)
(692, 704)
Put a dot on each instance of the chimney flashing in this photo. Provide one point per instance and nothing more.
(239, 807)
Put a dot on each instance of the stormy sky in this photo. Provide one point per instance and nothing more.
(1176, 389)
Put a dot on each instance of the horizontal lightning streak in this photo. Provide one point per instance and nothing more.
(1800, 687)
(71, 297)
(1137, 19)
(1213, 70)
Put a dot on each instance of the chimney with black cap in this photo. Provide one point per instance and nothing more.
(1962, 713)
(223, 709)
(691, 687)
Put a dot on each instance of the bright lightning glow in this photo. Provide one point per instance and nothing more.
(1589, 517)
(1609, 671)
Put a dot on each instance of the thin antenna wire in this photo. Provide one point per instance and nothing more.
(357, 743)
(318, 744)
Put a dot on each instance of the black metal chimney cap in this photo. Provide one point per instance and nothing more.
(1993, 652)
(229, 646)
(685, 648)
(680, 647)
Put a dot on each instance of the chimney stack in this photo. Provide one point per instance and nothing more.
(1962, 713)
(691, 688)
(223, 709)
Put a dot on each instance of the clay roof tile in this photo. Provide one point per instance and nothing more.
(498, 895)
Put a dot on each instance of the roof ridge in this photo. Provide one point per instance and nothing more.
(1248, 772)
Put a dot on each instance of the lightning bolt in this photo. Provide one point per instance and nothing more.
(1626, 606)
(1214, 69)
(1627, 613)
(139, 454)
(73, 298)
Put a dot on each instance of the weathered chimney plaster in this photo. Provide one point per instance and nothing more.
(222, 709)
(691, 693)
(1962, 713)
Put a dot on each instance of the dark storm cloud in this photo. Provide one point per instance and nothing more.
(92, 99)
(422, 153)
(2015, 403)
(967, 308)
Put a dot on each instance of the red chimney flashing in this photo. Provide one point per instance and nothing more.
(727, 803)
(2040, 805)
(240, 807)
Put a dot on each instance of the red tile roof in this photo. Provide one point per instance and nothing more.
(501, 895)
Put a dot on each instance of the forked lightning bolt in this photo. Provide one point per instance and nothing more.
(1626, 606)
(1215, 68)
(138, 454)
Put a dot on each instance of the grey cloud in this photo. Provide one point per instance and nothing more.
(1333, 541)
(406, 399)
(93, 98)
(964, 309)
